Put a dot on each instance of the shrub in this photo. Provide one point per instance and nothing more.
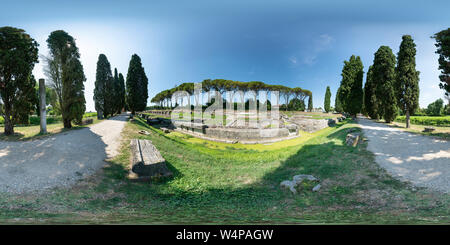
(296, 105)
(90, 114)
(35, 120)
(435, 108)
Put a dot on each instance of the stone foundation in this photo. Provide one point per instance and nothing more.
(234, 135)
(310, 125)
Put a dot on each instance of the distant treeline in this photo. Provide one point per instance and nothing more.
(220, 86)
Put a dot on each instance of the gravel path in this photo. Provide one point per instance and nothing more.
(424, 161)
(58, 160)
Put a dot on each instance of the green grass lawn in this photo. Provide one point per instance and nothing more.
(217, 183)
(439, 132)
(443, 121)
(33, 131)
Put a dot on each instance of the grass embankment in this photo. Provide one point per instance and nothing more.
(29, 132)
(232, 183)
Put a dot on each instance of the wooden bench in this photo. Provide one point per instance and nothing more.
(146, 161)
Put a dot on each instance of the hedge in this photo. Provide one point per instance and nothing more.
(426, 120)
(90, 114)
(35, 120)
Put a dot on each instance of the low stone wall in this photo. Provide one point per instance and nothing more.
(248, 134)
(160, 112)
(309, 125)
(234, 135)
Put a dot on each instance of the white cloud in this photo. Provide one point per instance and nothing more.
(310, 54)
(325, 41)
(293, 59)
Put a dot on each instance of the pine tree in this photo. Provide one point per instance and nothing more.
(350, 94)
(66, 75)
(326, 104)
(384, 79)
(136, 85)
(407, 78)
(103, 92)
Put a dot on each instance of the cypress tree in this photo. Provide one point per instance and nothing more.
(73, 96)
(310, 103)
(337, 102)
(121, 94)
(350, 94)
(326, 104)
(370, 100)
(66, 74)
(103, 88)
(443, 49)
(384, 78)
(116, 88)
(407, 78)
(136, 85)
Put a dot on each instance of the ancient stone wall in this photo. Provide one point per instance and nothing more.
(309, 125)
(234, 135)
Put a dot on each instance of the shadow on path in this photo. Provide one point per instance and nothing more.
(58, 160)
(422, 160)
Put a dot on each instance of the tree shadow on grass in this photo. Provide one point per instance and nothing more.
(15, 136)
(442, 135)
(331, 162)
(348, 175)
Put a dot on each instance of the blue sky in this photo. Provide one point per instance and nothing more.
(294, 43)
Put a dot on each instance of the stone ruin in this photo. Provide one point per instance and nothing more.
(308, 124)
(297, 180)
(251, 131)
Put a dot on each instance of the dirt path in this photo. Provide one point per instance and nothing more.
(58, 160)
(424, 161)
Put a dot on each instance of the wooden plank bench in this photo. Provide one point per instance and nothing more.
(146, 161)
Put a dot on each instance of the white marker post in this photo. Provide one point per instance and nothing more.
(42, 106)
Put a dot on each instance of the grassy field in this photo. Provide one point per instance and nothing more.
(439, 132)
(443, 121)
(33, 131)
(237, 184)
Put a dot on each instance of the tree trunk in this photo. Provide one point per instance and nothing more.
(407, 119)
(100, 115)
(67, 123)
(9, 127)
